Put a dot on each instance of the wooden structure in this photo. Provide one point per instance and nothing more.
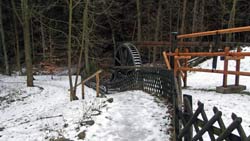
(215, 32)
(97, 76)
(236, 56)
(183, 68)
(202, 124)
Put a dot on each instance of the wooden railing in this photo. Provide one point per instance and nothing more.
(97, 76)
(201, 124)
(236, 56)
(215, 32)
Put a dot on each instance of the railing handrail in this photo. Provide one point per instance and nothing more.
(215, 32)
(90, 77)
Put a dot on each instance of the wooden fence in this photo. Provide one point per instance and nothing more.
(199, 121)
(152, 80)
(162, 82)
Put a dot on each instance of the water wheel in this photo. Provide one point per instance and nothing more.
(126, 55)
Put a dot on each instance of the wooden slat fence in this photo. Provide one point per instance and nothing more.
(199, 121)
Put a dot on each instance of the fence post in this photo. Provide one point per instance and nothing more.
(225, 67)
(97, 84)
(185, 72)
(237, 76)
(83, 91)
(188, 107)
(173, 47)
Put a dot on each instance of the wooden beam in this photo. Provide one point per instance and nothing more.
(209, 54)
(237, 77)
(215, 32)
(166, 61)
(214, 71)
(90, 77)
(234, 57)
(97, 84)
(227, 49)
(83, 92)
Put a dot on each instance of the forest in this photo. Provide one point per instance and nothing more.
(60, 31)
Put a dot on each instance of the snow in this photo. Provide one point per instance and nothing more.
(133, 116)
(44, 112)
(202, 87)
(39, 113)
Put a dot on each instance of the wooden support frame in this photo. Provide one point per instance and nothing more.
(215, 32)
(225, 72)
(237, 77)
(97, 75)
(236, 56)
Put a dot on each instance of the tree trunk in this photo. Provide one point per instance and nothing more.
(138, 20)
(72, 91)
(50, 47)
(202, 15)
(85, 38)
(26, 34)
(157, 28)
(42, 38)
(6, 62)
(183, 17)
(84, 43)
(231, 21)
(17, 46)
(32, 41)
(195, 16)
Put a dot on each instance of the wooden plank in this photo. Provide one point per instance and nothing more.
(185, 72)
(166, 61)
(225, 67)
(237, 77)
(83, 93)
(234, 57)
(97, 84)
(183, 57)
(181, 72)
(209, 54)
(185, 44)
(214, 71)
(215, 32)
(90, 77)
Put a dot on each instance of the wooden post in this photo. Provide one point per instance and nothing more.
(83, 91)
(237, 76)
(97, 84)
(225, 67)
(166, 60)
(188, 108)
(185, 72)
(175, 62)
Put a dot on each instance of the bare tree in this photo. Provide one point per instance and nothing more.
(26, 35)
(6, 62)
(231, 21)
(138, 20)
(72, 91)
(157, 29)
(84, 44)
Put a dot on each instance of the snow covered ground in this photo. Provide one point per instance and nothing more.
(133, 116)
(44, 112)
(202, 87)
